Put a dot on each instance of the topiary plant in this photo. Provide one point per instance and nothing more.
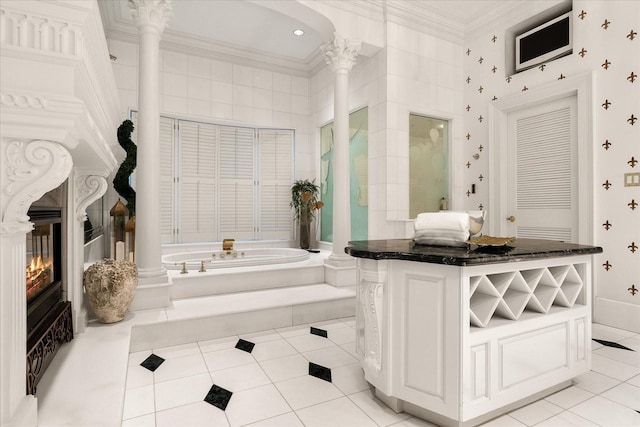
(121, 180)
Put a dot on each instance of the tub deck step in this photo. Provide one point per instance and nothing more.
(236, 280)
(216, 316)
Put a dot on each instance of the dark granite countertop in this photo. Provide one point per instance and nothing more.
(519, 250)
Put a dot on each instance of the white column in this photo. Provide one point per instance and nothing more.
(85, 188)
(30, 168)
(151, 17)
(341, 56)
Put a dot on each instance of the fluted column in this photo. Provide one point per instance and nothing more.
(341, 55)
(151, 17)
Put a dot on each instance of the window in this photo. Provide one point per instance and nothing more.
(428, 164)
(224, 182)
(358, 177)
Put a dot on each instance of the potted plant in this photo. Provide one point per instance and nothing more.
(304, 201)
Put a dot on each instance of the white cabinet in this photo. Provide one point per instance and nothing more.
(459, 345)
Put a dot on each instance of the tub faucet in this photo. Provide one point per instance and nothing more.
(227, 244)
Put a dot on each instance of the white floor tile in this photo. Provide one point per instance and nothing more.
(138, 357)
(608, 333)
(309, 342)
(413, 422)
(566, 419)
(330, 357)
(272, 349)
(594, 382)
(177, 351)
(285, 368)
(240, 378)
(606, 413)
(194, 415)
(612, 368)
(335, 413)
(183, 391)
(137, 402)
(624, 394)
(350, 348)
(349, 321)
(180, 367)
(625, 356)
(536, 412)
(306, 391)
(504, 421)
(569, 397)
(349, 378)
(374, 408)
(224, 359)
(137, 376)
(342, 335)
(249, 406)
(218, 344)
(634, 381)
(286, 420)
(328, 324)
(148, 420)
(292, 331)
(262, 336)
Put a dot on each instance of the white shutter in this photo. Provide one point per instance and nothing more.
(236, 183)
(276, 166)
(197, 189)
(167, 174)
(543, 162)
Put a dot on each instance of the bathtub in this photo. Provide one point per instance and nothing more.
(235, 258)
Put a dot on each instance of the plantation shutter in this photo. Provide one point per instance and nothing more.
(236, 183)
(167, 180)
(276, 166)
(197, 189)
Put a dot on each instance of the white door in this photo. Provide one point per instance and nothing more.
(542, 186)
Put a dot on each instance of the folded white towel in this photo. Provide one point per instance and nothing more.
(441, 228)
(458, 221)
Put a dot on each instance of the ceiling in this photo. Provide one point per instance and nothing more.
(253, 30)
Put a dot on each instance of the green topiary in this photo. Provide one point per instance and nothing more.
(121, 180)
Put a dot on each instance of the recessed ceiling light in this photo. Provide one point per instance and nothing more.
(298, 32)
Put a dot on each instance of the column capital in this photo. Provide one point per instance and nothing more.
(151, 13)
(32, 167)
(341, 53)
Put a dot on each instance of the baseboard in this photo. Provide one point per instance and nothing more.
(617, 314)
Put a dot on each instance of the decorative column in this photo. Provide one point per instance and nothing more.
(151, 17)
(30, 168)
(341, 55)
(86, 189)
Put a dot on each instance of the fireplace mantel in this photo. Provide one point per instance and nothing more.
(59, 112)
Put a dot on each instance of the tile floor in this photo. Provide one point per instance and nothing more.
(297, 376)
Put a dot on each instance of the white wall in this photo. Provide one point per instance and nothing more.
(210, 90)
(415, 73)
(615, 303)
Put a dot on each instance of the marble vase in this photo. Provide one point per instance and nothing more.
(110, 286)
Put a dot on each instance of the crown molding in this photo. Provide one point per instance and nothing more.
(418, 16)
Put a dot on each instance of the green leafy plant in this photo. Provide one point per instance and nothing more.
(304, 200)
(121, 180)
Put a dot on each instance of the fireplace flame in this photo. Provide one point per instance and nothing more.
(38, 274)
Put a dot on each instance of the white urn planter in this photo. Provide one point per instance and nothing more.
(110, 286)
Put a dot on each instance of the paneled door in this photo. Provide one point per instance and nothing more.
(542, 171)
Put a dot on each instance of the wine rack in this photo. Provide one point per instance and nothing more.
(509, 294)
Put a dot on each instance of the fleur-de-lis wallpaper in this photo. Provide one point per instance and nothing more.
(605, 43)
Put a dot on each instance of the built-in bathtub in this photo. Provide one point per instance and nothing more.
(236, 258)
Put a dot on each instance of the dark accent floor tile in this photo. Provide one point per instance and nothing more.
(319, 332)
(245, 345)
(152, 362)
(319, 371)
(218, 397)
(613, 344)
